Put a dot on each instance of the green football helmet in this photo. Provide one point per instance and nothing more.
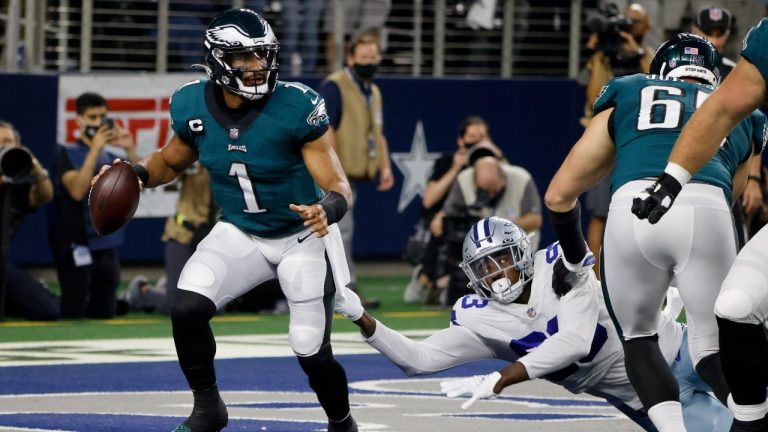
(241, 32)
(687, 55)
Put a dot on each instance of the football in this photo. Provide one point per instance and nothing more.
(113, 198)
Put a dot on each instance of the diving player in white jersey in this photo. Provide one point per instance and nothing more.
(559, 332)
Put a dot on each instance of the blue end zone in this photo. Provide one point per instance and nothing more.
(254, 374)
(109, 422)
(268, 374)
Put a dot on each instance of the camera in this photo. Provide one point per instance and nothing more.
(90, 131)
(607, 24)
(15, 162)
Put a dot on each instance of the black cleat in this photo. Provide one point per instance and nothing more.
(750, 426)
(208, 415)
(346, 425)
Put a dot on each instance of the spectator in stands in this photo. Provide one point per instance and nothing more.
(300, 34)
(87, 264)
(29, 190)
(361, 16)
(489, 187)
(354, 107)
(446, 168)
(714, 23)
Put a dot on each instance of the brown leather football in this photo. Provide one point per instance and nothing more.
(113, 198)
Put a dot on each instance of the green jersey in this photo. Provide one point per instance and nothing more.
(754, 47)
(649, 113)
(254, 155)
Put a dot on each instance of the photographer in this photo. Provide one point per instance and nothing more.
(427, 244)
(29, 186)
(87, 263)
(488, 188)
(617, 42)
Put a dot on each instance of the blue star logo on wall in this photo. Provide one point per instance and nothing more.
(416, 167)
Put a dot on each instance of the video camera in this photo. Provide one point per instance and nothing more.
(607, 24)
(15, 163)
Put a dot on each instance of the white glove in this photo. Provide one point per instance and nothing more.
(478, 387)
(348, 304)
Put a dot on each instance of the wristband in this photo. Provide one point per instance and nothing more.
(141, 173)
(755, 178)
(678, 173)
(335, 206)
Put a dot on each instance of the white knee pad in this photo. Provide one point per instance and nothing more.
(305, 341)
(735, 305)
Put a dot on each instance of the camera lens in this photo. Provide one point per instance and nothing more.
(15, 162)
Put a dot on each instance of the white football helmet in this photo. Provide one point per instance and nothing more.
(498, 260)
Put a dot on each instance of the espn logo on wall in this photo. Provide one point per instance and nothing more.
(137, 103)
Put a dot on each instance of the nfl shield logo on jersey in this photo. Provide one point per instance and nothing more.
(531, 313)
(234, 133)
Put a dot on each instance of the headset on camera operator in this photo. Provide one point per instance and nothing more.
(617, 41)
(28, 186)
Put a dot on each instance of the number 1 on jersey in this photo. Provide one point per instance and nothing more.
(246, 186)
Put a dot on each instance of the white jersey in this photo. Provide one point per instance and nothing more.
(570, 340)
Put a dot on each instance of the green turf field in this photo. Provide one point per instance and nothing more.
(388, 289)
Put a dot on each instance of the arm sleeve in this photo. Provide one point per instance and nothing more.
(753, 47)
(531, 202)
(179, 117)
(63, 164)
(759, 132)
(577, 319)
(313, 119)
(440, 167)
(447, 348)
(606, 98)
(332, 95)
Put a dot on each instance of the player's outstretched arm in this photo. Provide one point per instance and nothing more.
(164, 165)
(741, 93)
(445, 349)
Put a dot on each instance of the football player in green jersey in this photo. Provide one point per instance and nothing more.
(742, 306)
(637, 121)
(281, 189)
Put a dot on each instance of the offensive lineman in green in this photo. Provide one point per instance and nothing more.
(270, 156)
(638, 119)
(742, 305)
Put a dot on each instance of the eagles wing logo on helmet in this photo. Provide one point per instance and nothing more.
(229, 35)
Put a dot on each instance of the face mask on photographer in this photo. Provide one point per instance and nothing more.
(365, 71)
(90, 131)
(91, 120)
(364, 57)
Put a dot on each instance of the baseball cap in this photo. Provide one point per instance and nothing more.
(713, 18)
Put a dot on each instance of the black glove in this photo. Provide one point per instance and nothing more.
(656, 199)
(565, 276)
